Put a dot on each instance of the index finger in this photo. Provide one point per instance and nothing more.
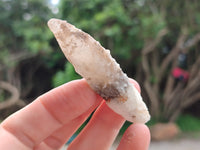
(50, 111)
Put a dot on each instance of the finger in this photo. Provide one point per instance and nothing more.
(57, 139)
(104, 122)
(100, 132)
(50, 111)
(136, 137)
(9, 142)
(61, 136)
(135, 83)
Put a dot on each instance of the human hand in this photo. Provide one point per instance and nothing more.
(49, 121)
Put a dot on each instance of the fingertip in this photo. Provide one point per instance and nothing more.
(104, 122)
(136, 84)
(141, 130)
(137, 137)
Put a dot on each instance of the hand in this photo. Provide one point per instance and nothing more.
(49, 121)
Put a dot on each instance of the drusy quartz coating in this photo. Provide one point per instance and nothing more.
(101, 71)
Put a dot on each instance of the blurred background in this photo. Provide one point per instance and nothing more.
(155, 42)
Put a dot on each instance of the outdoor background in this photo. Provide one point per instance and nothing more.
(155, 42)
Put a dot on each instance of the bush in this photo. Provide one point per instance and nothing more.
(188, 123)
(65, 75)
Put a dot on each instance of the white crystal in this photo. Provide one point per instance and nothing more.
(102, 72)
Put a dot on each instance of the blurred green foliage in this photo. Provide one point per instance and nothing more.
(2, 97)
(118, 25)
(67, 75)
(127, 26)
(188, 123)
(123, 26)
(23, 28)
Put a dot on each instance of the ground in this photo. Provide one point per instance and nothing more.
(184, 142)
(178, 144)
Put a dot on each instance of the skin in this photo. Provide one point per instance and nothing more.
(49, 121)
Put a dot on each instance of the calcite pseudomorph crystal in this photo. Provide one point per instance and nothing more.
(101, 71)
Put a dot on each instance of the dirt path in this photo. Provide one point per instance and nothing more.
(184, 143)
(179, 144)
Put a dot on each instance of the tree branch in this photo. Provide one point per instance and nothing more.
(191, 100)
(150, 46)
(192, 85)
(14, 95)
(191, 43)
(172, 98)
(153, 98)
(173, 53)
(194, 69)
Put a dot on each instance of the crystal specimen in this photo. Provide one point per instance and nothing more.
(101, 71)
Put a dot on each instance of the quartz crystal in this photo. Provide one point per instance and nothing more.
(101, 71)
